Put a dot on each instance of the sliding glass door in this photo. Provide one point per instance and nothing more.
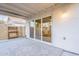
(32, 29)
(41, 29)
(38, 29)
(46, 29)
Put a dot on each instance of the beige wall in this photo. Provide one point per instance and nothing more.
(21, 31)
(3, 31)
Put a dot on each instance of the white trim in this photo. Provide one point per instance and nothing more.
(41, 29)
(34, 30)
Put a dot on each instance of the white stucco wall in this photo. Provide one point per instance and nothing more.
(67, 25)
(27, 30)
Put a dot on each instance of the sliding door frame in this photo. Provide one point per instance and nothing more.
(41, 40)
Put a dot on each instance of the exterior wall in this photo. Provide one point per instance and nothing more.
(21, 31)
(27, 30)
(65, 29)
(3, 31)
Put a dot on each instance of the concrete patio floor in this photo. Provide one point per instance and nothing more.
(28, 47)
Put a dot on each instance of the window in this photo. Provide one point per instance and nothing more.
(3, 19)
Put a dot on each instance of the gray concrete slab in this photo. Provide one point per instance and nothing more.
(28, 47)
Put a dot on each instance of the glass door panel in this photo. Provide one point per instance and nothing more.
(32, 29)
(38, 29)
(46, 29)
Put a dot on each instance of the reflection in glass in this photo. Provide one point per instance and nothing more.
(46, 29)
(32, 29)
(38, 29)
